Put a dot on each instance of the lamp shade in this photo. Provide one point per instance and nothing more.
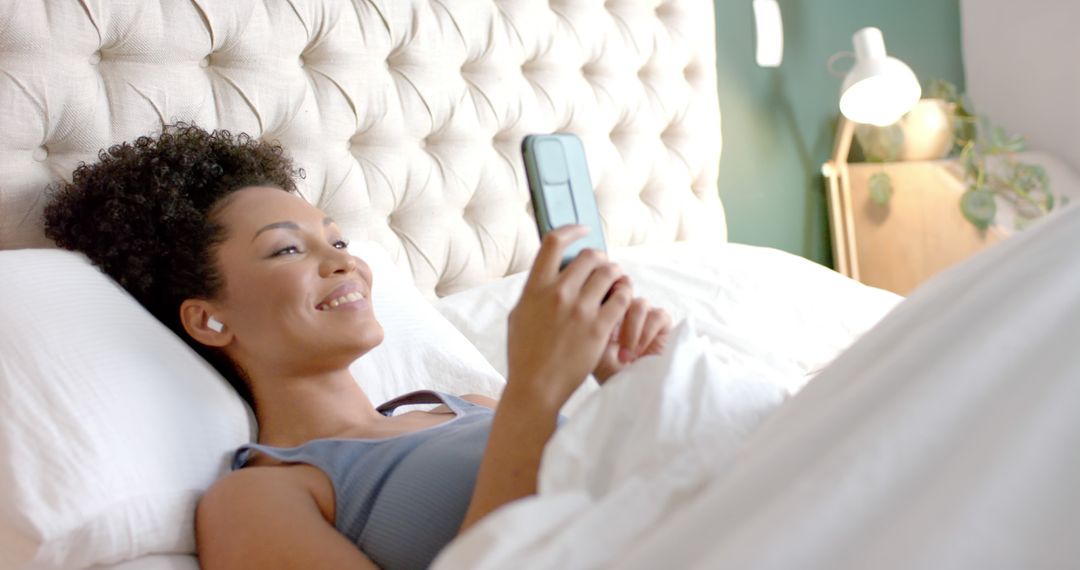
(879, 89)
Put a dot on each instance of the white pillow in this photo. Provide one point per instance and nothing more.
(111, 427)
(420, 349)
(759, 307)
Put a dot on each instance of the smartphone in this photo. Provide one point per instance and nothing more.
(561, 190)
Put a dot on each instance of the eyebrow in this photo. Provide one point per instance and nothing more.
(289, 226)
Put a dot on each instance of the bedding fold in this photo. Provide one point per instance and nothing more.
(946, 437)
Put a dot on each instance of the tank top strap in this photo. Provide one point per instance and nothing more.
(456, 404)
(306, 454)
(283, 454)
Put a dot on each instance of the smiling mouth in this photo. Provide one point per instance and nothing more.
(342, 300)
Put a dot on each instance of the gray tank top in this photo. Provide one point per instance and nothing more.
(399, 499)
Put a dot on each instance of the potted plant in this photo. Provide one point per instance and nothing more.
(945, 124)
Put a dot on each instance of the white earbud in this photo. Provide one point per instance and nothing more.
(214, 324)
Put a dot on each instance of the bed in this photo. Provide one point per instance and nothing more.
(407, 118)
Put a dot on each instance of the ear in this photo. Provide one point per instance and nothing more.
(195, 316)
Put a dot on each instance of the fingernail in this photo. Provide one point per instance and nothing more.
(625, 355)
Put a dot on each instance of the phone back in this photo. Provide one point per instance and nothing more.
(561, 189)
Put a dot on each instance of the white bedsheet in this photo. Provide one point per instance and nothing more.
(759, 307)
(947, 437)
(156, 562)
(662, 427)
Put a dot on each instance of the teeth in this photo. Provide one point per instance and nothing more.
(350, 298)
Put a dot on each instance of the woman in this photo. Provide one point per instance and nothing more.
(207, 231)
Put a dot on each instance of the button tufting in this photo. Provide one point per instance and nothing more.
(690, 72)
(471, 144)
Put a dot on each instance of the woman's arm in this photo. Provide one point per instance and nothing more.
(267, 517)
(556, 335)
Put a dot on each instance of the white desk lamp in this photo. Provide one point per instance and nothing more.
(878, 90)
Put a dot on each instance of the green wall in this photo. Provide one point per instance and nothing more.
(778, 124)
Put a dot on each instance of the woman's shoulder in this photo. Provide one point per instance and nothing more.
(298, 485)
(260, 516)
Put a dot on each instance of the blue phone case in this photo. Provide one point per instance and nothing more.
(561, 190)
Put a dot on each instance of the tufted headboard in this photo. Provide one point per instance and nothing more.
(407, 115)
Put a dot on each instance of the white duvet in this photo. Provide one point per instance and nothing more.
(947, 437)
(759, 308)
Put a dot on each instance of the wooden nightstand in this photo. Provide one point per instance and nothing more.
(920, 231)
(917, 234)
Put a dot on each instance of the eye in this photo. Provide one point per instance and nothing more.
(286, 250)
(341, 243)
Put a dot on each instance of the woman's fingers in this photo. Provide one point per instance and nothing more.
(654, 335)
(581, 270)
(545, 269)
(599, 283)
(614, 308)
(560, 327)
(632, 327)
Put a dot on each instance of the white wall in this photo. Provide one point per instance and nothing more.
(1022, 69)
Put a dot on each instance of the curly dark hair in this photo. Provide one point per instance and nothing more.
(144, 213)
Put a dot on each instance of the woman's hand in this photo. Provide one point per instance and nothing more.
(564, 319)
(643, 331)
(558, 329)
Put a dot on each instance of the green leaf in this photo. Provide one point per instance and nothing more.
(880, 188)
(979, 207)
(880, 144)
(998, 137)
(971, 166)
(1042, 177)
(1026, 176)
(941, 89)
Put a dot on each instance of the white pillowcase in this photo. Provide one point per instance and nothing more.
(761, 308)
(420, 349)
(111, 427)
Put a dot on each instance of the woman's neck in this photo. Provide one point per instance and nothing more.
(294, 410)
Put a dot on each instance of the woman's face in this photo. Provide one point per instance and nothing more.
(295, 300)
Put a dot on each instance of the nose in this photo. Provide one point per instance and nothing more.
(337, 261)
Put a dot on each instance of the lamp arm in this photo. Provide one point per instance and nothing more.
(842, 224)
(845, 132)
